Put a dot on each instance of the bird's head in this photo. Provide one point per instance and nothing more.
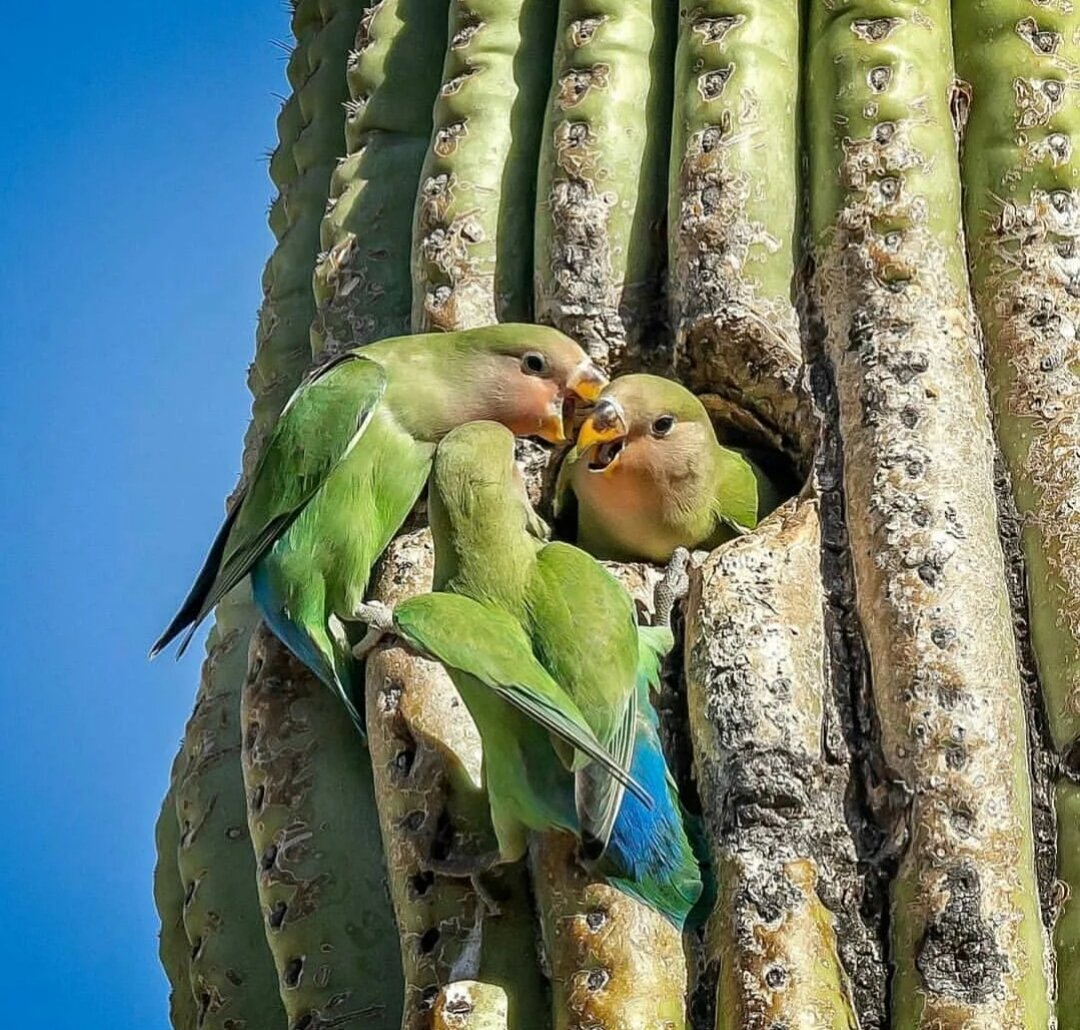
(643, 422)
(542, 376)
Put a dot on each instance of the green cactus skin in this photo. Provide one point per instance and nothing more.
(232, 975)
(426, 756)
(1022, 197)
(968, 947)
(473, 225)
(733, 207)
(1021, 64)
(1067, 930)
(362, 281)
(601, 192)
(174, 949)
(319, 854)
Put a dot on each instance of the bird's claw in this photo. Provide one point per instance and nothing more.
(673, 587)
(380, 621)
(472, 868)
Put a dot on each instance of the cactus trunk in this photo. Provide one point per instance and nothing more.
(874, 717)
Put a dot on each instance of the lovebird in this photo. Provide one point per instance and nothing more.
(348, 459)
(647, 475)
(543, 645)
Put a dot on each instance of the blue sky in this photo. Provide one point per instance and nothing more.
(133, 193)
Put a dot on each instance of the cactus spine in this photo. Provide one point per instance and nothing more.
(967, 941)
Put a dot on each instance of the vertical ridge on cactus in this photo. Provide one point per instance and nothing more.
(174, 949)
(773, 802)
(362, 281)
(1022, 201)
(472, 232)
(601, 189)
(967, 939)
(733, 208)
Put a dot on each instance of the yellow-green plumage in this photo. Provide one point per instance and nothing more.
(349, 458)
(544, 647)
(648, 475)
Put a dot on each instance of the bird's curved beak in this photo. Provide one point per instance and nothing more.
(587, 382)
(553, 426)
(606, 424)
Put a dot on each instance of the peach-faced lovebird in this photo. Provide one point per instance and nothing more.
(647, 475)
(543, 645)
(347, 461)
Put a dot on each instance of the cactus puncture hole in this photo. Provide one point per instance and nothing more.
(403, 761)
(595, 919)
(442, 842)
(421, 883)
(597, 979)
(234, 977)
(305, 1022)
(294, 968)
(427, 999)
(189, 892)
(1070, 761)
(776, 977)
(429, 940)
(251, 736)
(196, 947)
(269, 857)
(277, 915)
(258, 795)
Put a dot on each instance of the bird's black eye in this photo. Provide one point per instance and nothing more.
(663, 425)
(533, 364)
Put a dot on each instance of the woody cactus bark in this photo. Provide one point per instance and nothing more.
(763, 199)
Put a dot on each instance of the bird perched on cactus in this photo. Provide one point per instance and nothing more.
(647, 475)
(347, 461)
(544, 647)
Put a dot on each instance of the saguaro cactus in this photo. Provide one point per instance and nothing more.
(764, 200)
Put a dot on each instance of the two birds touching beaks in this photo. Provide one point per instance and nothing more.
(540, 640)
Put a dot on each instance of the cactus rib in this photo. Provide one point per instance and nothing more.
(174, 949)
(1022, 202)
(601, 191)
(426, 756)
(733, 208)
(472, 233)
(362, 284)
(773, 801)
(967, 940)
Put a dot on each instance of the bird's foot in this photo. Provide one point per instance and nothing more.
(471, 868)
(674, 586)
(380, 621)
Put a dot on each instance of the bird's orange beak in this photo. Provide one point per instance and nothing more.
(587, 382)
(606, 423)
(553, 427)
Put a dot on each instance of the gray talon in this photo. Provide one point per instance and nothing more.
(673, 587)
(380, 621)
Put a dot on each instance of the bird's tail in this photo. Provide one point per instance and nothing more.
(650, 856)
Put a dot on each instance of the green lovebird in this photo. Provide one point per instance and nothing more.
(647, 475)
(544, 647)
(347, 461)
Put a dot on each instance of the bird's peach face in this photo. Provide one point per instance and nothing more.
(608, 440)
(545, 391)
